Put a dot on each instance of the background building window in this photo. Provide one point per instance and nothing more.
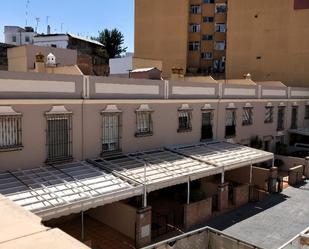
(230, 123)
(194, 28)
(307, 112)
(194, 46)
(27, 39)
(269, 112)
(195, 9)
(59, 135)
(144, 126)
(221, 8)
(207, 37)
(209, 1)
(206, 55)
(220, 27)
(10, 130)
(220, 45)
(14, 39)
(208, 19)
(281, 119)
(247, 116)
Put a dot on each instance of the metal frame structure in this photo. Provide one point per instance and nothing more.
(223, 154)
(54, 191)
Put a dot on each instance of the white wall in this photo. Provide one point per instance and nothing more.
(121, 65)
(59, 41)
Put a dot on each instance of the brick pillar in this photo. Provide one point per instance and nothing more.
(223, 196)
(273, 179)
(143, 227)
(306, 167)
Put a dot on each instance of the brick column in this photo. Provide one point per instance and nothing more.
(273, 179)
(223, 196)
(143, 227)
(306, 167)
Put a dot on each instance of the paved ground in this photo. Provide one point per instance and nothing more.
(271, 222)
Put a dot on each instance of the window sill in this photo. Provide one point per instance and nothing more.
(148, 134)
(8, 149)
(230, 136)
(110, 153)
(184, 130)
(58, 161)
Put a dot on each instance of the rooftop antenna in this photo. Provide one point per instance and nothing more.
(47, 19)
(37, 19)
(61, 27)
(27, 11)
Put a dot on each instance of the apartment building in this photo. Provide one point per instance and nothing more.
(15, 35)
(182, 34)
(109, 151)
(269, 40)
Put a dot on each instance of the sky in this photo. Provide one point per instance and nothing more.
(81, 17)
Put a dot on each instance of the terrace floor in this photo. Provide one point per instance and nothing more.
(100, 235)
(270, 222)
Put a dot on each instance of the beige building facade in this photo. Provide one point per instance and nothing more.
(172, 112)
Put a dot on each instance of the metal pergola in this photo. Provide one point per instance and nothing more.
(54, 191)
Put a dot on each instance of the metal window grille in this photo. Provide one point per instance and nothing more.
(10, 132)
(59, 138)
(207, 118)
(294, 117)
(280, 121)
(307, 112)
(269, 114)
(184, 118)
(230, 123)
(110, 132)
(144, 123)
(247, 116)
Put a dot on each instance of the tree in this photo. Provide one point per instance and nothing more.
(112, 41)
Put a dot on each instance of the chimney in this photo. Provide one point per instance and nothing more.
(39, 63)
(177, 73)
(247, 76)
(48, 29)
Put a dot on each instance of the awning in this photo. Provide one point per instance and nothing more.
(54, 191)
(179, 164)
(223, 154)
(157, 169)
(300, 131)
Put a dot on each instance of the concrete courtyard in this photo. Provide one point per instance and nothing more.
(270, 222)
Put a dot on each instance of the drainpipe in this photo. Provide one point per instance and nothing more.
(82, 228)
(145, 188)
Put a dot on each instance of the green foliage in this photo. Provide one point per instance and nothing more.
(112, 41)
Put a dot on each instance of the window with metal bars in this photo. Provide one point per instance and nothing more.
(269, 112)
(110, 132)
(294, 117)
(144, 123)
(230, 123)
(247, 116)
(59, 138)
(280, 121)
(207, 117)
(10, 132)
(184, 121)
(306, 111)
